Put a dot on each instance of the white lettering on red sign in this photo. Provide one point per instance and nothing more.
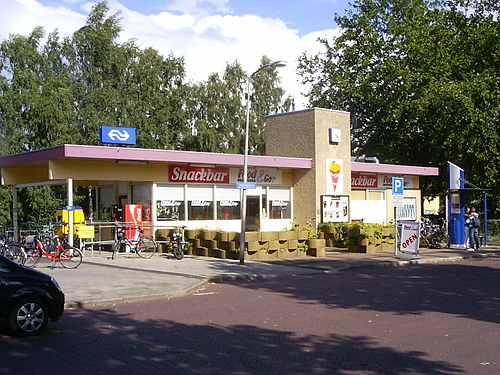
(182, 173)
(363, 180)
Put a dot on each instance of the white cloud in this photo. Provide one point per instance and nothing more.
(207, 42)
(199, 6)
(22, 16)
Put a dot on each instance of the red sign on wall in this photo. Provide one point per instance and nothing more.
(364, 180)
(200, 175)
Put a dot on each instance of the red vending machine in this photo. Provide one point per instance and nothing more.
(133, 215)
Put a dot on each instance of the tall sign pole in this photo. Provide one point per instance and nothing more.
(398, 189)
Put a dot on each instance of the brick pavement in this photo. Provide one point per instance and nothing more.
(100, 280)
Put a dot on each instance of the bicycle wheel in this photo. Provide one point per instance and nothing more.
(145, 247)
(178, 249)
(116, 248)
(19, 255)
(70, 257)
(33, 255)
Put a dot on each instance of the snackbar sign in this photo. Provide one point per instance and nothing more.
(200, 175)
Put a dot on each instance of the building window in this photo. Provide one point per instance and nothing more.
(106, 201)
(375, 195)
(200, 202)
(228, 203)
(279, 203)
(358, 195)
(141, 194)
(170, 203)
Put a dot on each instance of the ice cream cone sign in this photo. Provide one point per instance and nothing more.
(334, 176)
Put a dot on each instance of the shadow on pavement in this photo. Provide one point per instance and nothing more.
(467, 290)
(104, 341)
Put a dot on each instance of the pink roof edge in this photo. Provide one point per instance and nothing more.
(394, 169)
(174, 156)
(141, 154)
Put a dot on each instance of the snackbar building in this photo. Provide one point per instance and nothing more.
(307, 175)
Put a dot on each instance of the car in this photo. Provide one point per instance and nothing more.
(28, 299)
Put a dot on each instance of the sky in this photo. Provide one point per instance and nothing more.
(209, 34)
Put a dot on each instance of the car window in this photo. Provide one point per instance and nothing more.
(6, 267)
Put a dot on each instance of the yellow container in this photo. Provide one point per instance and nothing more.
(62, 217)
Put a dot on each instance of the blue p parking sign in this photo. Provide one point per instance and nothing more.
(398, 185)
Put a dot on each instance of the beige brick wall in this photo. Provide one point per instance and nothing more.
(304, 134)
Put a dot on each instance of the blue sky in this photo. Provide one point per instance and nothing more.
(304, 15)
(208, 34)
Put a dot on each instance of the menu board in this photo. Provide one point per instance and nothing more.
(334, 208)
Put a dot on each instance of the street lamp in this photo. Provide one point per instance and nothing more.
(274, 64)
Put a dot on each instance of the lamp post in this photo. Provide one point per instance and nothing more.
(274, 64)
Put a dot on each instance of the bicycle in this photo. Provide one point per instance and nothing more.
(144, 246)
(14, 251)
(60, 251)
(178, 243)
(434, 235)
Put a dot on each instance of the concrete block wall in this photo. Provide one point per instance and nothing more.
(304, 134)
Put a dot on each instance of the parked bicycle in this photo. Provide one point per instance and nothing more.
(143, 246)
(434, 236)
(12, 250)
(178, 244)
(58, 251)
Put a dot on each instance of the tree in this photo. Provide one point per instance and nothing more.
(219, 110)
(421, 80)
(62, 91)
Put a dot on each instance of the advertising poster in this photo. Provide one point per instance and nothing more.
(133, 215)
(408, 239)
(335, 208)
(334, 177)
(408, 209)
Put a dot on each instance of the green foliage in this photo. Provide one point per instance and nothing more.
(302, 247)
(55, 91)
(420, 76)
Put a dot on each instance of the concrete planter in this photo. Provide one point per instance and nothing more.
(362, 241)
(373, 248)
(252, 254)
(388, 247)
(207, 234)
(386, 232)
(191, 233)
(217, 253)
(315, 243)
(329, 229)
(269, 236)
(318, 253)
(302, 234)
(357, 249)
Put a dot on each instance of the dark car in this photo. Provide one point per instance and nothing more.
(28, 299)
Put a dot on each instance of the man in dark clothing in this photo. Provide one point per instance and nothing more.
(474, 229)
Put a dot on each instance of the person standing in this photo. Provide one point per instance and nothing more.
(474, 229)
(467, 228)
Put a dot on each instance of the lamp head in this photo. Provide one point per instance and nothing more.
(278, 64)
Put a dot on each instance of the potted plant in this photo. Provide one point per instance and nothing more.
(302, 248)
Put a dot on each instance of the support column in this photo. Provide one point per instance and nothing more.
(154, 211)
(14, 214)
(70, 211)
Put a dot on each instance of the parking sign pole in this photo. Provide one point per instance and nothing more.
(398, 188)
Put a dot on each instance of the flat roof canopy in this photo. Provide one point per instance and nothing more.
(394, 169)
(47, 164)
(89, 164)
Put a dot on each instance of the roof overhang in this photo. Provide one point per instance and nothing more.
(150, 155)
(394, 169)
